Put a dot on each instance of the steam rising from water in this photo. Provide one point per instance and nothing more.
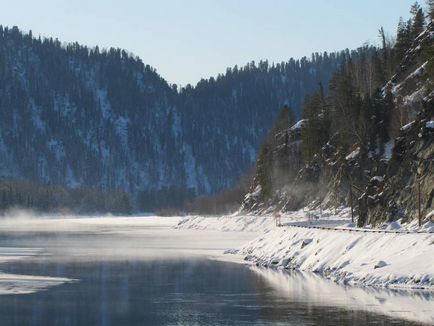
(31, 237)
(91, 237)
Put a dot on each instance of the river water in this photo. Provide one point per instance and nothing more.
(140, 273)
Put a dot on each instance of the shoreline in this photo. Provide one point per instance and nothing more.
(393, 256)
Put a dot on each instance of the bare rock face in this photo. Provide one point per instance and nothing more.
(410, 172)
(270, 187)
(409, 85)
(325, 180)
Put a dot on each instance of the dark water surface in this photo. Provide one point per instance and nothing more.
(176, 292)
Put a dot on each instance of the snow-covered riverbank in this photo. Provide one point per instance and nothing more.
(393, 255)
(378, 259)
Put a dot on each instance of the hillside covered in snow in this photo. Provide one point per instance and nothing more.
(74, 116)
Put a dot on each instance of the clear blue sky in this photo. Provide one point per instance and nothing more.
(186, 40)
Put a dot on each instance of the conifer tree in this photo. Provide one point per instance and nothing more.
(315, 131)
(418, 20)
(383, 44)
(267, 161)
(403, 40)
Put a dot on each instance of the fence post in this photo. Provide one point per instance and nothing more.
(419, 202)
(351, 203)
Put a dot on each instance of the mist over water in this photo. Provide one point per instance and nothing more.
(72, 237)
(32, 238)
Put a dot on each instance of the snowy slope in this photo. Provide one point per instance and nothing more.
(327, 243)
(368, 258)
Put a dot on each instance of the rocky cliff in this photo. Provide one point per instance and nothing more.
(383, 181)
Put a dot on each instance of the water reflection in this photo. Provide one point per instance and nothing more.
(412, 305)
(191, 292)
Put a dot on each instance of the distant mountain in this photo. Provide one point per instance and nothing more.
(75, 116)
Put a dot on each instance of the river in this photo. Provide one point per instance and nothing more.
(139, 271)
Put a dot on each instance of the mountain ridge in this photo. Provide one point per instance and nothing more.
(76, 116)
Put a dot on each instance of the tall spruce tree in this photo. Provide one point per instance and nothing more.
(418, 20)
(315, 132)
(403, 40)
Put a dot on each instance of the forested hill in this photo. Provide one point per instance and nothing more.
(77, 116)
(368, 142)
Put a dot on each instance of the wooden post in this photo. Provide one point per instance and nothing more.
(419, 202)
(277, 219)
(351, 203)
